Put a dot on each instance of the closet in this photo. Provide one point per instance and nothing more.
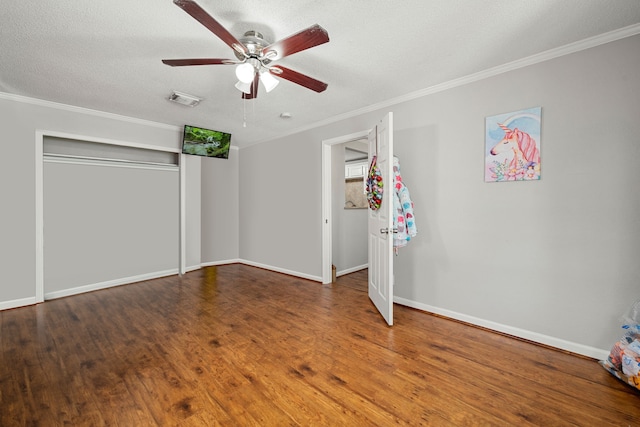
(110, 215)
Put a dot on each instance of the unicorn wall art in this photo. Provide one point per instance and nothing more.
(512, 146)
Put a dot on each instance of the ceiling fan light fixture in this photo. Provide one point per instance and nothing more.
(268, 81)
(244, 87)
(245, 72)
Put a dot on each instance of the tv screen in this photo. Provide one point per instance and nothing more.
(206, 142)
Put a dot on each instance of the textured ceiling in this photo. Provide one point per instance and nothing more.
(106, 55)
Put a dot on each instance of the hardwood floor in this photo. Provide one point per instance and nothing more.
(237, 345)
(356, 280)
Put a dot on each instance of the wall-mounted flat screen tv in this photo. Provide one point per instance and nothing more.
(206, 142)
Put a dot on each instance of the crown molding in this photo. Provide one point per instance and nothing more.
(82, 110)
(568, 49)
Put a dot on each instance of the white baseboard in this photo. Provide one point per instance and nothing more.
(108, 284)
(223, 262)
(282, 270)
(192, 268)
(6, 305)
(264, 266)
(573, 347)
(351, 270)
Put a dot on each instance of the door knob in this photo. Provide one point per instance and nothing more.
(386, 230)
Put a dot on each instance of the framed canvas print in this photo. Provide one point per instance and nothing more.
(512, 146)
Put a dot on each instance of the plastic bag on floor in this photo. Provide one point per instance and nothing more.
(624, 359)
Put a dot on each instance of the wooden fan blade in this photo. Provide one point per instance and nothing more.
(298, 78)
(200, 15)
(305, 39)
(254, 88)
(198, 61)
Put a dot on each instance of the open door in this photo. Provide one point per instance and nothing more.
(380, 222)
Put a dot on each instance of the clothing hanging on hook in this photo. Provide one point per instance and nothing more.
(403, 217)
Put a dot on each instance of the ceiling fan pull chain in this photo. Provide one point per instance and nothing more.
(244, 113)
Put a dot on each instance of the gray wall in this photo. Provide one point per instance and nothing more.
(220, 205)
(280, 217)
(193, 190)
(552, 260)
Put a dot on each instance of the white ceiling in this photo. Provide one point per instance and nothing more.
(106, 55)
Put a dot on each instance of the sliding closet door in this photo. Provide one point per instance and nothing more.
(107, 223)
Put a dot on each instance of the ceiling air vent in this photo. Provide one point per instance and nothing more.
(184, 99)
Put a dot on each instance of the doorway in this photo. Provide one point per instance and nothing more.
(327, 202)
(379, 219)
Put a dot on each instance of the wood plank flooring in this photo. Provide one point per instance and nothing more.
(240, 346)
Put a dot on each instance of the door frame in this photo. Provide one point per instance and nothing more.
(327, 218)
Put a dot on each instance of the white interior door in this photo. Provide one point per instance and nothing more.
(380, 222)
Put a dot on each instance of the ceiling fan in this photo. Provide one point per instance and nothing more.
(254, 54)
